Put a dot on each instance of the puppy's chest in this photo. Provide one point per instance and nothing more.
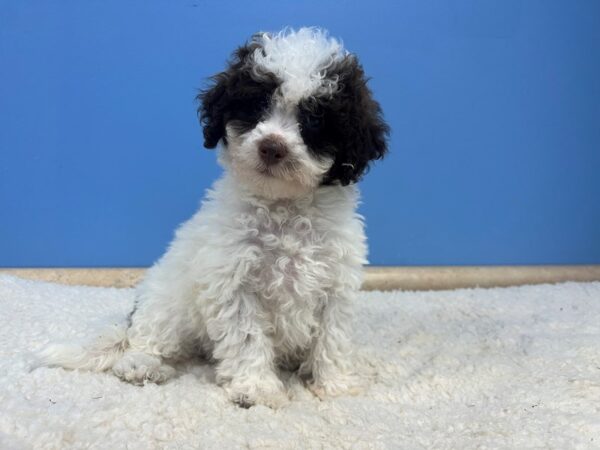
(292, 250)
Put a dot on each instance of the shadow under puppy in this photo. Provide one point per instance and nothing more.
(262, 277)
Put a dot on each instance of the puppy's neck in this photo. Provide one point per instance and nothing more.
(231, 190)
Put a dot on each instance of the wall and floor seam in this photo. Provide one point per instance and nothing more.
(376, 277)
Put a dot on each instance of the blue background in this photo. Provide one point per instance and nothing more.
(494, 106)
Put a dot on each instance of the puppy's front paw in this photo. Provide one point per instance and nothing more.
(338, 386)
(268, 392)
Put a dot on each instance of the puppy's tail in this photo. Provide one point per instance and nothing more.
(98, 356)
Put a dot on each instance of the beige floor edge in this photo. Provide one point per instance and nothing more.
(376, 278)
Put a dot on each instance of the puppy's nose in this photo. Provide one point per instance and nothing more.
(272, 150)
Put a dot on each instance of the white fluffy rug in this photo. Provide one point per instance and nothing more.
(481, 368)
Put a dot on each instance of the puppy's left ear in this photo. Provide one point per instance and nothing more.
(364, 132)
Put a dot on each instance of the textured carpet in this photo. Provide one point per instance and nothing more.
(481, 368)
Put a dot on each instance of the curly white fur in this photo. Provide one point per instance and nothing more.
(255, 284)
(300, 59)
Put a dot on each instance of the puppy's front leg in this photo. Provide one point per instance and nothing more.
(244, 351)
(329, 365)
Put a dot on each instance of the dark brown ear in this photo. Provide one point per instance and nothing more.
(214, 100)
(210, 113)
(355, 130)
(367, 132)
(233, 94)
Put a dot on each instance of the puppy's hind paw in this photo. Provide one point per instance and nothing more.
(138, 368)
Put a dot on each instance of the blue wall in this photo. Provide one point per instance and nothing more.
(494, 105)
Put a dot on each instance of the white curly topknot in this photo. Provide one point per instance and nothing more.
(299, 59)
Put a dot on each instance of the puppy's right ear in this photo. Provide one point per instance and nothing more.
(210, 112)
(216, 98)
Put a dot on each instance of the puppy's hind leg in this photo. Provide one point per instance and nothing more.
(163, 329)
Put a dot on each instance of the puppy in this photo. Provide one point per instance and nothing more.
(262, 277)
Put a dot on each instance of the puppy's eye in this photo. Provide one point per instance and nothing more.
(248, 110)
(316, 127)
(243, 126)
(312, 123)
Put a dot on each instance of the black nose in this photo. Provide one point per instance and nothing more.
(272, 150)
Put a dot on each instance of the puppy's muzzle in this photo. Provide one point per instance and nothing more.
(272, 150)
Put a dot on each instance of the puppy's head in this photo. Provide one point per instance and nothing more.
(293, 112)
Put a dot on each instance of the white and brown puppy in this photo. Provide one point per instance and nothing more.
(262, 277)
